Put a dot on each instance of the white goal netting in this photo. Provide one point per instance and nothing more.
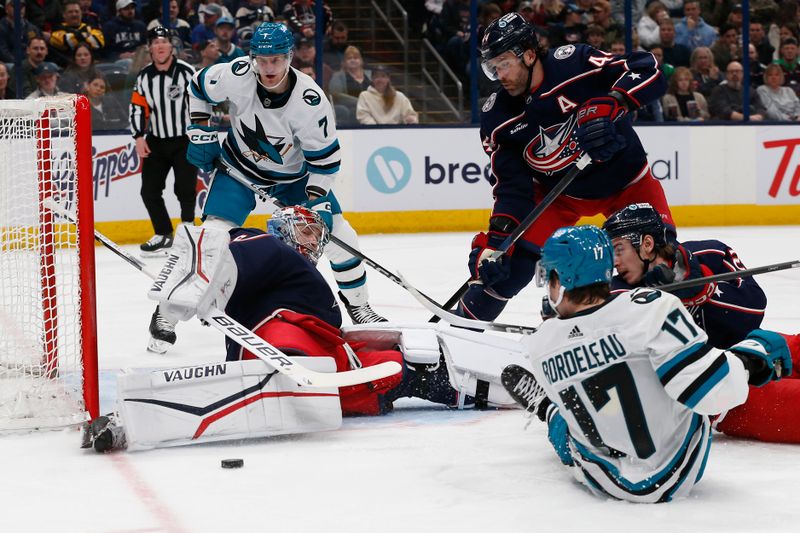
(41, 335)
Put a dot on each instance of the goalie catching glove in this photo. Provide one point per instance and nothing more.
(203, 147)
(596, 130)
(200, 273)
(684, 266)
(765, 355)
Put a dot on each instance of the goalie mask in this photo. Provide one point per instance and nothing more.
(300, 228)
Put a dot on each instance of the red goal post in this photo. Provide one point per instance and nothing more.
(48, 324)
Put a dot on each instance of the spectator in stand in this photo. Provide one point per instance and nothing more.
(335, 45)
(203, 9)
(675, 54)
(209, 54)
(706, 73)
(648, 28)
(382, 103)
(726, 99)
(8, 43)
(205, 30)
(66, 36)
(572, 30)
(757, 68)
(252, 13)
(758, 38)
(780, 102)
(43, 14)
(788, 62)
(79, 71)
(107, 114)
(305, 55)
(46, 81)
(596, 37)
(674, 7)
(225, 31)
(666, 68)
(526, 10)
(87, 15)
(617, 47)
(726, 48)
(300, 18)
(545, 12)
(735, 18)
(6, 90)
(456, 15)
(124, 34)
(35, 54)
(784, 24)
(182, 30)
(680, 102)
(715, 12)
(352, 79)
(601, 16)
(692, 31)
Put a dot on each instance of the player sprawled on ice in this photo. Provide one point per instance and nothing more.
(283, 134)
(554, 107)
(644, 255)
(269, 283)
(626, 382)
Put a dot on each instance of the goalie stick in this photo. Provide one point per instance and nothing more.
(523, 226)
(249, 340)
(725, 276)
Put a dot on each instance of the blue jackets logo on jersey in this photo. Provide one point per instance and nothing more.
(388, 170)
(554, 149)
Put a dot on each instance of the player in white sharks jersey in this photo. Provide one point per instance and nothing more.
(283, 134)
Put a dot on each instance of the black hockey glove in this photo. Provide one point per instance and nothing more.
(685, 266)
(766, 356)
(596, 131)
(489, 271)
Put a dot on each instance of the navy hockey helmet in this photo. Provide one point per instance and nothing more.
(509, 33)
(300, 228)
(634, 221)
(271, 38)
(580, 255)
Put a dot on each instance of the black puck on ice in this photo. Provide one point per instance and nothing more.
(232, 463)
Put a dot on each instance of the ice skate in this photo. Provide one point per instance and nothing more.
(106, 433)
(157, 246)
(361, 314)
(522, 386)
(162, 333)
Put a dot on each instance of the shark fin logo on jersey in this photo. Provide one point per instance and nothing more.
(554, 149)
(489, 103)
(563, 52)
(240, 68)
(263, 146)
(311, 97)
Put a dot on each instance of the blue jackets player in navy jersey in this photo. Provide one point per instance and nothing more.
(554, 108)
(645, 255)
(627, 383)
(282, 135)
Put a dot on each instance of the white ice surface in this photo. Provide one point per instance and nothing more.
(420, 469)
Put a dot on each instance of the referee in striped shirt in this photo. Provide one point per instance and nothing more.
(159, 116)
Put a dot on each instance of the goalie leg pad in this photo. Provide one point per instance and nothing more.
(200, 272)
(222, 401)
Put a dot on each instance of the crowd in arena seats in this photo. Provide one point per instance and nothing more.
(78, 42)
(701, 39)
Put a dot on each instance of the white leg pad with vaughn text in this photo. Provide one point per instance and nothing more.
(222, 401)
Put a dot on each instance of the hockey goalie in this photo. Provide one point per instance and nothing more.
(268, 282)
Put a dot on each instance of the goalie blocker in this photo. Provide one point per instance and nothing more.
(245, 399)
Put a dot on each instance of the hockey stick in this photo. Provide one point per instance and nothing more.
(249, 340)
(261, 192)
(725, 276)
(523, 226)
(460, 321)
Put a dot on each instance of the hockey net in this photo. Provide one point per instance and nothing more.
(48, 354)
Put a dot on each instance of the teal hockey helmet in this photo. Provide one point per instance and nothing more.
(580, 255)
(271, 38)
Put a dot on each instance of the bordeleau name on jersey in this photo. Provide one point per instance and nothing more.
(587, 356)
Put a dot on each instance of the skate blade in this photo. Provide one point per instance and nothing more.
(157, 346)
(157, 253)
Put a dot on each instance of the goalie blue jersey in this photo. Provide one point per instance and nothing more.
(532, 137)
(737, 306)
(273, 276)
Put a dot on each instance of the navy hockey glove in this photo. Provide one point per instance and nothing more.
(490, 271)
(203, 146)
(322, 206)
(685, 266)
(765, 355)
(596, 132)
